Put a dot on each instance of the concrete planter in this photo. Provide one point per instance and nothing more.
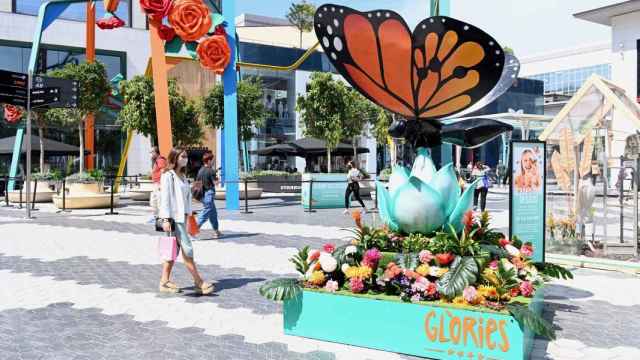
(43, 193)
(142, 192)
(253, 191)
(432, 330)
(86, 196)
(88, 188)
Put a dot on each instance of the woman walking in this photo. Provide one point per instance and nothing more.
(175, 206)
(208, 178)
(480, 171)
(353, 187)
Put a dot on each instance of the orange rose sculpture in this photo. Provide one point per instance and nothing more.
(12, 113)
(214, 53)
(190, 19)
(156, 9)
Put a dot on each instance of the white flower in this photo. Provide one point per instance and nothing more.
(307, 275)
(512, 250)
(328, 262)
(345, 267)
(434, 270)
(351, 249)
(507, 264)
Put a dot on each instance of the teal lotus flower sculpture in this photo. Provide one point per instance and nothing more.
(423, 200)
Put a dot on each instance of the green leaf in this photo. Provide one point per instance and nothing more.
(553, 270)
(495, 250)
(300, 260)
(462, 273)
(191, 49)
(408, 261)
(281, 289)
(532, 321)
(173, 46)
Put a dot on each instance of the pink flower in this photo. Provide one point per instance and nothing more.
(415, 298)
(493, 265)
(331, 286)
(313, 255)
(425, 256)
(371, 258)
(526, 289)
(357, 285)
(526, 250)
(469, 293)
(329, 248)
(420, 285)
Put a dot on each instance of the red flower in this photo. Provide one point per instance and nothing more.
(357, 217)
(12, 113)
(467, 220)
(156, 9)
(190, 19)
(112, 22)
(329, 248)
(504, 242)
(431, 289)
(220, 30)
(166, 32)
(515, 291)
(444, 259)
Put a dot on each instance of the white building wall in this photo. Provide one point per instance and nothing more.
(5, 5)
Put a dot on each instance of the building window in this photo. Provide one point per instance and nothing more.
(567, 82)
(75, 12)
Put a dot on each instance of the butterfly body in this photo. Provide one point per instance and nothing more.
(439, 69)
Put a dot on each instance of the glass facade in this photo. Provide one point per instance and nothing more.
(74, 11)
(567, 82)
(279, 97)
(14, 56)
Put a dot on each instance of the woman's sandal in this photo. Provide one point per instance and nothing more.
(169, 287)
(205, 288)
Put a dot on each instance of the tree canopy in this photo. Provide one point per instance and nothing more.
(251, 109)
(139, 111)
(300, 15)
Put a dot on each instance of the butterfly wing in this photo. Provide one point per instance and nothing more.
(372, 51)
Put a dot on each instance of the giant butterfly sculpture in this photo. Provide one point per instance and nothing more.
(443, 69)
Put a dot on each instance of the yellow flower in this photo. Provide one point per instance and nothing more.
(423, 269)
(490, 276)
(459, 300)
(442, 271)
(363, 272)
(488, 292)
(317, 278)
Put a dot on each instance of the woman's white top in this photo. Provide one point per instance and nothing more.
(353, 175)
(175, 197)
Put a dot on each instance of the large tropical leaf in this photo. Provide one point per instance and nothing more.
(495, 250)
(532, 321)
(553, 270)
(300, 260)
(408, 261)
(462, 273)
(281, 289)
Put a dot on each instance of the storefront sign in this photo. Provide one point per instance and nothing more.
(527, 194)
(328, 190)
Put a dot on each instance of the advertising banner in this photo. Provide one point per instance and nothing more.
(527, 194)
(328, 190)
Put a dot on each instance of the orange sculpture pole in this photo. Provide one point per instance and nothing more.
(89, 124)
(160, 88)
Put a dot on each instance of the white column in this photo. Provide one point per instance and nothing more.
(5, 5)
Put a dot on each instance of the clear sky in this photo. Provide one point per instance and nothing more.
(527, 26)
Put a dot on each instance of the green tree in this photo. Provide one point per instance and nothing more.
(251, 110)
(139, 111)
(300, 15)
(360, 113)
(94, 89)
(324, 109)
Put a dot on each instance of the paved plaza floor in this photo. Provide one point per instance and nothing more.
(83, 285)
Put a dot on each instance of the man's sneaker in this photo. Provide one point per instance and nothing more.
(345, 212)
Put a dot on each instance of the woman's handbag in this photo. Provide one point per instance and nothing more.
(160, 221)
(192, 226)
(168, 247)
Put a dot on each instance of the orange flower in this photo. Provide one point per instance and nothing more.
(214, 53)
(12, 113)
(190, 19)
(156, 9)
(357, 217)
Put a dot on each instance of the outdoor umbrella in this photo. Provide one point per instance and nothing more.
(276, 150)
(473, 133)
(313, 146)
(51, 147)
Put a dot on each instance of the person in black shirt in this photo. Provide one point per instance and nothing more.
(207, 175)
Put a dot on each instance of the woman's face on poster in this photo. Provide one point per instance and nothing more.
(527, 161)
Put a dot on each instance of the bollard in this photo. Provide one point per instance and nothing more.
(33, 197)
(310, 209)
(375, 198)
(113, 187)
(246, 197)
(64, 196)
(622, 177)
(20, 202)
(6, 191)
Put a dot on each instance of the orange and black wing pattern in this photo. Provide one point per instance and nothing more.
(441, 68)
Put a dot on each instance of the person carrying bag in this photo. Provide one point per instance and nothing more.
(207, 179)
(175, 208)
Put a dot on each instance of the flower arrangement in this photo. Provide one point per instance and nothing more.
(476, 267)
(12, 114)
(191, 23)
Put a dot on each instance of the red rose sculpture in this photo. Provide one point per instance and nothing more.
(190, 19)
(214, 53)
(12, 113)
(156, 9)
(110, 23)
(166, 33)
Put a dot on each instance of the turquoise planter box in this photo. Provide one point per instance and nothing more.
(434, 331)
(328, 191)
